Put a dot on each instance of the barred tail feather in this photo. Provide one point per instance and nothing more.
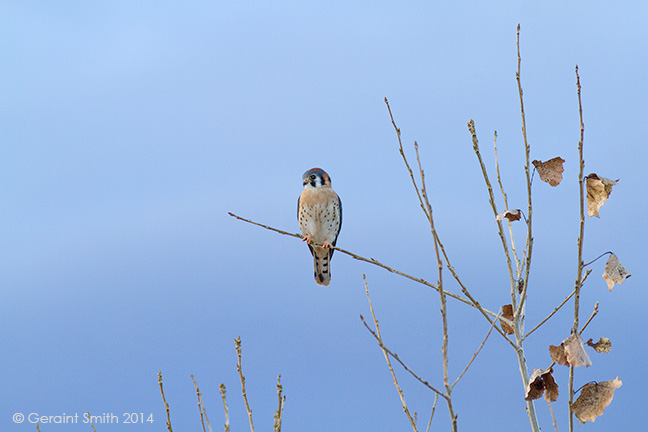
(321, 264)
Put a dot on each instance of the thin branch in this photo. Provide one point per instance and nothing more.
(474, 355)
(385, 353)
(395, 357)
(442, 297)
(201, 407)
(491, 200)
(527, 168)
(237, 343)
(370, 261)
(428, 214)
(553, 417)
(556, 309)
(166, 405)
(402, 152)
(581, 235)
(436, 398)
(38, 427)
(282, 399)
(518, 316)
(499, 181)
(594, 313)
(223, 390)
(91, 423)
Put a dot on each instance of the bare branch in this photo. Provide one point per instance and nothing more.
(402, 152)
(578, 284)
(201, 407)
(556, 309)
(589, 320)
(436, 398)
(237, 343)
(475, 354)
(91, 423)
(223, 390)
(499, 181)
(491, 200)
(395, 357)
(278, 414)
(166, 405)
(385, 353)
(370, 261)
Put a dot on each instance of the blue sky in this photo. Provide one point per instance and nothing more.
(131, 129)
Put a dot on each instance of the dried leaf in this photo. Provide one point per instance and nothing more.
(540, 381)
(575, 351)
(551, 388)
(598, 191)
(557, 354)
(604, 345)
(507, 312)
(511, 215)
(570, 352)
(535, 387)
(550, 171)
(615, 272)
(593, 400)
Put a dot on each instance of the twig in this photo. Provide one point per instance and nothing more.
(395, 357)
(237, 343)
(581, 235)
(370, 261)
(436, 398)
(201, 407)
(428, 213)
(594, 313)
(442, 297)
(556, 309)
(491, 200)
(279, 413)
(385, 353)
(527, 168)
(518, 316)
(166, 405)
(475, 354)
(499, 181)
(91, 423)
(38, 427)
(222, 392)
(553, 417)
(402, 152)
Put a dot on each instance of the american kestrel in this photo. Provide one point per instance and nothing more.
(319, 211)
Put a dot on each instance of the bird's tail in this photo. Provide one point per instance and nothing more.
(321, 264)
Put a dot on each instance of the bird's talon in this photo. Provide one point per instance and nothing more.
(326, 245)
(307, 239)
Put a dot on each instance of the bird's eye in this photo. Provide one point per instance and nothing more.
(312, 177)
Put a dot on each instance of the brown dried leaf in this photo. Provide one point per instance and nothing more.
(593, 400)
(615, 272)
(550, 171)
(511, 215)
(604, 345)
(557, 354)
(575, 351)
(551, 393)
(540, 381)
(570, 352)
(598, 191)
(535, 387)
(507, 312)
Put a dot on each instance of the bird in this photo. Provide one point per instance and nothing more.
(319, 212)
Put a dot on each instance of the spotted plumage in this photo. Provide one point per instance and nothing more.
(319, 211)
